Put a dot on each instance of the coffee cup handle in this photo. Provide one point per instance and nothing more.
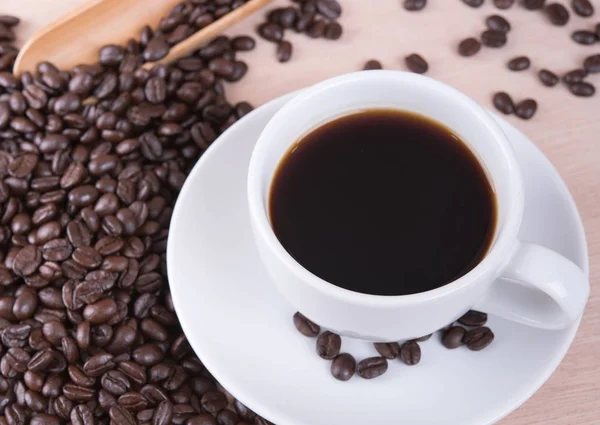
(538, 287)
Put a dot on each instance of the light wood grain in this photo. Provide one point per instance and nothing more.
(566, 128)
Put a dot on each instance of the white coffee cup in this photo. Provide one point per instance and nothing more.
(516, 280)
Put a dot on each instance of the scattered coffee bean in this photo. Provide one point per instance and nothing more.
(328, 345)
(372, 64)
(305, 326)
(469, 47)
(330, 9)
(424, 338)
(503, 103)
(473, 3)
(557, 14)
(389, 350)
(410, 353)
(575, 76)
(414, 5)
(498, 23)
(343, 367)
(372, 367)
(526, 109)
(592, 63)
(270, 31)
(284, 51)
(584, 37)
(416, 63)
(473, 317)
(582, 89)
(492, 38)
(548, 78)
(534, 4)
(583, 8)
(333, 31)
(503, 4)
(519, 63)
(479, 338)
(453, 337)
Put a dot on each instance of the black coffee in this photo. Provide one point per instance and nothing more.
(383, 202)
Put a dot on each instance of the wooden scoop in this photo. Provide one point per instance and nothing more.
(76, 37)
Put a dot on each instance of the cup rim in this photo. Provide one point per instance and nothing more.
(506, 236)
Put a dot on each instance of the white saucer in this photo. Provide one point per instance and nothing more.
(241, 328)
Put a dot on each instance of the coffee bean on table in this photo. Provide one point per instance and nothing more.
(498, 23)
(243, 43)
(479, 338)
(582, 89)
(333, 31)
(526, 109)
(473, 317)
(548, 78)
(583, 8)
(372, 367)
(453, 337)
(584, 37)
(520, 63)
(372, 64)
(270, 31)
(330, 9)
(416, 63)
(575, 76)
(284, 51)
(156, 49)
(557, 14)
(410, 353)
(469, 47)
(473, 3)
(492, 38)
(414, 5)
(328, 345)
(305, 326)
(389, 350)
(592, 63)
(503, 4)
(534, 4)
(343, 367)
(503, 103)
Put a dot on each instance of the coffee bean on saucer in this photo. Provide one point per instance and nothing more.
(410, 353)
(333, 31)
(473, 318)
(305, 326)
(423, 338)
(534, 4)
(453, 337)
(584, 37)
(557, 14)
(503, 4)
(504, 103)
(526, 109)
(548, 78)
(284, 51)
(583, 8)
(372, 64)
(469, 47)
(492, 38)
(479, 338)
(473, 3)
(519, 63)
(389, 350)
(343, 367)
(582, 89)
(575, 76)
(372, 367)
(328, 345)
(416, 63)
(414, 5)
(592, 64)
(498, 23)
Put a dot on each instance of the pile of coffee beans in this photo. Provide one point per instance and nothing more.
(315, 18)
(8, 52)
(473, 334)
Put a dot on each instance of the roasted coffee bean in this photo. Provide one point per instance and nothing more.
(414, 5)
(204, 419)
(243, 43)
(526, 109)
(305, 326)
(87, 256)
(575, 76)
(78, 377)
(54, 331)
(81, 415)
(583, 8)
(133, 401)
(592, 64)
(77, 393)
(469, 47)
(548, 78)
(410, 353)
(389, 350)
(284, 51)
(163, 413)
(330, 9)
(479, 338)
(148, 354)
(519, 63)
(27, 260)
(557, 14)
(271, 32)
(343, 367)
(584, 37)
(372, 367)
(372, 64)
(582, 89)
(119, 415)
(473, 3)
(25, 304)
(153, 330)
(453, 337)
(98, 364)
(156, 49)
(492, 38)
(101, 311)
(416, 63)
(328, 345)
(213, 402)
(473, 318)
(503, 4)
(227, 417)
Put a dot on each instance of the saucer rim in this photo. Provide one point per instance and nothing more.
(280, 418)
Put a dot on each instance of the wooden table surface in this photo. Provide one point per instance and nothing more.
(566, 128)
